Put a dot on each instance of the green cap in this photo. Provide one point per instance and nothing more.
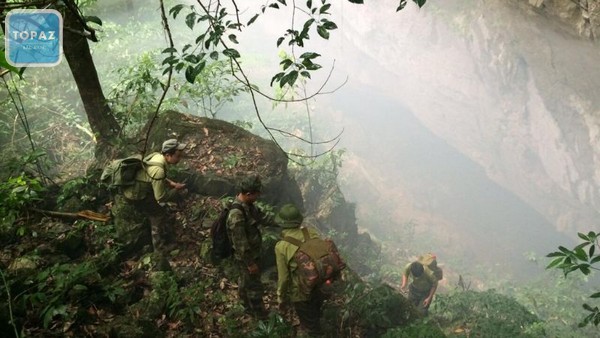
(289, 216)
(251, 184)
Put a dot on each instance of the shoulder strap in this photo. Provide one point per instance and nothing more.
(298, 242)
(293, 241)
(239, 207)
(305, 233)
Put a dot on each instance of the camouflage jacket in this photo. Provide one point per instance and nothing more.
(243, 230)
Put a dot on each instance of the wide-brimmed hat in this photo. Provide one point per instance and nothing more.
(289, 216)
(172, 144)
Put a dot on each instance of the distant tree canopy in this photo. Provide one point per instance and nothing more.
(220, 23)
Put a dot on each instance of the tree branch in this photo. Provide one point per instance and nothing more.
(165, 23)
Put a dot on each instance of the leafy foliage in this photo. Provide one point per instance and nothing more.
(17, 194)
(483, 314)
(584, 258)
(219, 30)
(376, 309)
(275, 326)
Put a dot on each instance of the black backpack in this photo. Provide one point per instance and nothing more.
(221, 244)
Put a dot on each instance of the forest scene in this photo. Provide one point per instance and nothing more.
(443, 155)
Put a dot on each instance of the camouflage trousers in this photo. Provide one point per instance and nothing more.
(309, 313)
(417, 297)
(141, 223)
(250, 290)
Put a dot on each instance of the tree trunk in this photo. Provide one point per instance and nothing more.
(77, 52)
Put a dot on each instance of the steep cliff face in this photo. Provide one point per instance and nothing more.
(507, 84)
(582, 15)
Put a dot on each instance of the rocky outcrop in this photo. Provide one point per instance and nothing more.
(582, 15)
(220, 154)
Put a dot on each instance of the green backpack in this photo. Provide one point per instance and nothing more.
(318, 261)
(121, 172)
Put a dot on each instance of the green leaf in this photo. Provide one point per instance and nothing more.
(200, 38)
(305, 74)
(307, 24)
(580, 253)
(583, 236)
(591, 251)
(232, 53)
(554, 263)
(329, 25)
(565, 250)
(291, 77)
(233, 38)
(581, 246)
(274, 5)
(214, 55)
(175, 10)
(420, 2)
(309, 55)
(311, 66)
(587, 307)
(190, 20)
(192, 72)
(282, 2)
(19, 189)
(323, 32)
(79, 287)
(356, 1)
(170, 50)
(595, 260)
(93, 19)
(280, 40)
(570, 269)
(276, 78)
(170, 60)
(585, 268)
(595, 295)
(6, 65)
(192, 58)
(309, 3)
(189, 74)
(285, 64)
(324, 8)
(252, 20)
(401, 5)
(555, 254)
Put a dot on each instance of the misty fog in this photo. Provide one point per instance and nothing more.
(442, 129)
(424, 140)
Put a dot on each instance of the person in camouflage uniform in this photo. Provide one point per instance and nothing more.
(425, 275)
(143, 203)
(307, 307)
(246, 239)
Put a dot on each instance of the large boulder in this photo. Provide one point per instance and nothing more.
(220, 154)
